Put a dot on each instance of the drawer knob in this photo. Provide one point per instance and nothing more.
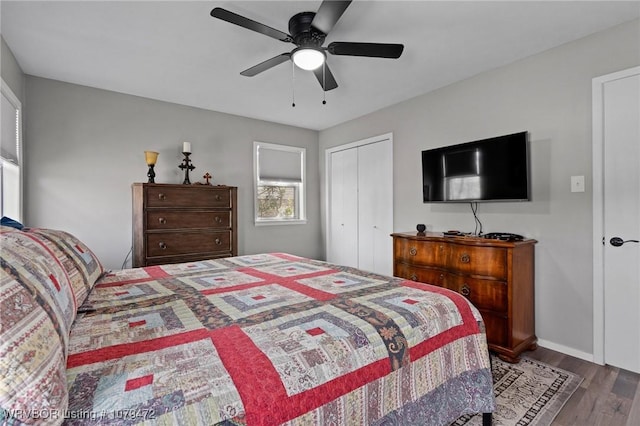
(162, 245)
(161, 196)
(162, 220)
(465, 290)
(218, 219)
(414, 277)
(218, 241)
(465, 258)
(413, 251)
(218, 197)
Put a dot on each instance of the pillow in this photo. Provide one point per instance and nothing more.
(32, 264)
(34, 329)
(7, 221)
(82, 266)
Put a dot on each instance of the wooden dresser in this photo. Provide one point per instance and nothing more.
(496, 276)
(182, 223)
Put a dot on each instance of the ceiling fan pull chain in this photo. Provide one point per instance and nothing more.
(293, 85)
(324, 83)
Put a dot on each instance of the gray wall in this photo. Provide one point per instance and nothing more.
(548, 95)
(85, 146)
(11, 71)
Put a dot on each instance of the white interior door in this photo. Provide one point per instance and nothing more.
(375, 203)
(343, 209)
(621, 132)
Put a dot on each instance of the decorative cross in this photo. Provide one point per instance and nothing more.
(207, 177)
(186, 166)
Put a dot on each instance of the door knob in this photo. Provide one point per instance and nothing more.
(617, 241)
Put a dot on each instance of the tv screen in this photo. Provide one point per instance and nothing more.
(494, 169)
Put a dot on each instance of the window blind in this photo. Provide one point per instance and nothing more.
(9, 141)
(279, 165)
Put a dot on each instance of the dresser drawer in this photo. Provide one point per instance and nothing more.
(177, 243)
(489, 295)
(163, 260)
(421, 274)
(172, 219)
(487, 261)
(188, 196)
(424, 253)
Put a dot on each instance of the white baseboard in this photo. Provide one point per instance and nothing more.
(566, 350)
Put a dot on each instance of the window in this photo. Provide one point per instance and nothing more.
(10, 154)
(279, 184)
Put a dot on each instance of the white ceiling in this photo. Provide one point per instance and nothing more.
(175, 51)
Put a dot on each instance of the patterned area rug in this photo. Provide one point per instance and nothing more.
(527, 393)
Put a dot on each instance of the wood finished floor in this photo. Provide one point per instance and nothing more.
(607, 396)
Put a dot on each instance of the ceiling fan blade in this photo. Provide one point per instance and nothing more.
(263, 66)
(249, 24)
(325, 77)
(372, 50)
(328, 14)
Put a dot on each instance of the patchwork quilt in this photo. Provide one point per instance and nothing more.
(264, 339)
(273, 339)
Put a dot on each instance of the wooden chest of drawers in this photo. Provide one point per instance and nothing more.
(182, 223)
(496, 276)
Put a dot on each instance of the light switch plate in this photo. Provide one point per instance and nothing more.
(577, 183)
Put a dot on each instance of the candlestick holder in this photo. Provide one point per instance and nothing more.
(186, 166)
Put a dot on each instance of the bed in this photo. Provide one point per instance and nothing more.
(264, 339)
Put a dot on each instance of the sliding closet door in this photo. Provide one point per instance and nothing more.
(375, 206)
(360, 211)
(343, 209)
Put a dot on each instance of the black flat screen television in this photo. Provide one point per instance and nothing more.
(494, 169)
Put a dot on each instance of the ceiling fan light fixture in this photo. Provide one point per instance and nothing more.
(308, 58)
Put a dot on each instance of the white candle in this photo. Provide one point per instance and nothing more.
(186, 147)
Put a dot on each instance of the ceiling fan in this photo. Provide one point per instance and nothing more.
(308, 31)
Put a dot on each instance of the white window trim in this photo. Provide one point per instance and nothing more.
(303, 187)
(13, 99)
